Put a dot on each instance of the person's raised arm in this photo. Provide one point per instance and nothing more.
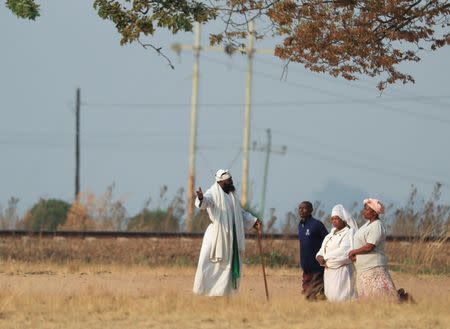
(203, 201)
(199, 193)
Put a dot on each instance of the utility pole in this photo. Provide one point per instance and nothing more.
(266, 172)
(268, 149)
(248, 99)
(77, 143)
(193, 137)
(196, 49)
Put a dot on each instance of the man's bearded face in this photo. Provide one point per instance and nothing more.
(227, 185)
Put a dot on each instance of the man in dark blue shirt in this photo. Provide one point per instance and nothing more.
(311, 233)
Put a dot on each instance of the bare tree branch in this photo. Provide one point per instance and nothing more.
(158, 51)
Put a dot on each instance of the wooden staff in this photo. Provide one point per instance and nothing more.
(258, 234)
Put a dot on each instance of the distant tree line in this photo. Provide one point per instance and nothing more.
(90, 213)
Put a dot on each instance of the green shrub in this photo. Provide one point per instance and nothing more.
(46, 215)
(154, 221)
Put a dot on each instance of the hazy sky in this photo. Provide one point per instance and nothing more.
(344, 141)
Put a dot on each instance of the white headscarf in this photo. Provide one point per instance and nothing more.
(342, 213)
(222, 175)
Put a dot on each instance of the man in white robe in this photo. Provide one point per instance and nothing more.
(219, 264)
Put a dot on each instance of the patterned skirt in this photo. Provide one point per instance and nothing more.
(376, 283)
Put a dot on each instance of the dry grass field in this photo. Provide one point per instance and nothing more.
(417, 257)
(79, 295)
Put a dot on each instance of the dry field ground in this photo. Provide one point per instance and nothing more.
(428, 257)
(79, 295)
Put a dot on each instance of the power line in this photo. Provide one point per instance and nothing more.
(350, 153)
(211, 147)
(351, 100)
(268, 149)
(158, 106)
(360, 87)
(296, 150)
(276, 106)
(271, 77)
(364, 167)
(400, 173)
(231, 164)
(206, 161)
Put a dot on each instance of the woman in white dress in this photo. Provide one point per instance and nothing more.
(372, 276)
(333, 255)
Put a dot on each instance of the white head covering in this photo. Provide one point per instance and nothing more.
(222, 174)
(342, 213)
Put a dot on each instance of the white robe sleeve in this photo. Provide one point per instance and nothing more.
(207, 201)
(249, 219)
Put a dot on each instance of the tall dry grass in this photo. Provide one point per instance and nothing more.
(412, 257)
(419, 219)
(422, 220)
(8, 215)
(88, 296)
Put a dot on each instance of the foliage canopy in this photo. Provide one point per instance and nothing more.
(347, 38)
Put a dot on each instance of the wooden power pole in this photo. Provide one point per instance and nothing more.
(77, 142)
(193, 135)
(268, 149)
(196, 49)
(250, 50)
(248, 99)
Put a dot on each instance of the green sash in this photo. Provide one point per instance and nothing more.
(235, 271)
